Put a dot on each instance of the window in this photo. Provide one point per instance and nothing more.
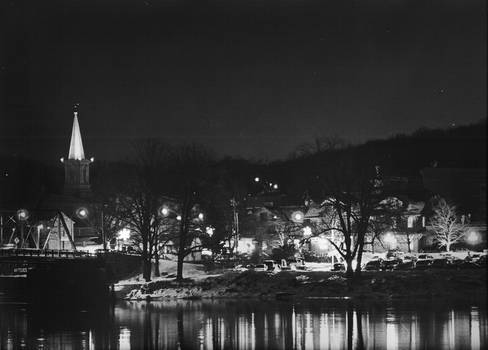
(410, 221)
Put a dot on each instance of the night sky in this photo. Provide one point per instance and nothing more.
(245, 77)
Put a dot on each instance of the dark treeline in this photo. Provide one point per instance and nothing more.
(24, 181)
(398, 156)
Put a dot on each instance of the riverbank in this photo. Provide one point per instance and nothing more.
(458, 284)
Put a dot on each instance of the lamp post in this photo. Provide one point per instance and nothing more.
(102, 228)
(235, 223)
(22, 215)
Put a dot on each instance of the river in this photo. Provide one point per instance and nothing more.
(245, 324)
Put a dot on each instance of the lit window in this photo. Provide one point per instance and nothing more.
(410, 221)
(423, 221)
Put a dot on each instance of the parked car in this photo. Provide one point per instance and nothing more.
(391, 264)
(338, 267)
(394, 254)
(405, 265)
(300, 264)
(271, 265)
(425, 257)
(374, 265)
(423, 264)
(239, 268)
(472, 257)
(408, 258)
(260, 268)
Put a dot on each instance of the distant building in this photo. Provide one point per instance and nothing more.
(402, 228)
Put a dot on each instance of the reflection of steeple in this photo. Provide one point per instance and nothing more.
(76, 145)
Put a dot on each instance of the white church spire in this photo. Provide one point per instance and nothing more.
(76, 145)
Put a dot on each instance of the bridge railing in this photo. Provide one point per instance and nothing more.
(48, 253)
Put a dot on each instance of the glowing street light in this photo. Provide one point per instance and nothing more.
(257, 179)
(297, 216)
(209, 230)
(307, 231)
(275, 186)
(124, 234)
(178, 217)
(164, 211)
(82, 213)
(200, 216)
(473, 237)
(22, 214)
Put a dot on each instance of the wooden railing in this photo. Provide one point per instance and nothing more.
(47, 253)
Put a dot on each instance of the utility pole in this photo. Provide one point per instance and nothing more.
(103, 233)
(59, 235)
(235, 225)
(1, 229)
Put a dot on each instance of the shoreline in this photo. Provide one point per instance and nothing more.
(374, 286)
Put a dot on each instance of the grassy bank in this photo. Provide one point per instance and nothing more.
(459, 284)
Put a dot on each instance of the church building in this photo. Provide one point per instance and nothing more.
(75, 203)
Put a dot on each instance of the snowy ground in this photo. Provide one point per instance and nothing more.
(168, 268)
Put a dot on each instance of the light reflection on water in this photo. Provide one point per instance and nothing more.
(238, 324)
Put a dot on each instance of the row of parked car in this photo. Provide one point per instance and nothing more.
(421, 262)
(273, 266)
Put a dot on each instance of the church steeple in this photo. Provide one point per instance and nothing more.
(76, 144)
(76, 167)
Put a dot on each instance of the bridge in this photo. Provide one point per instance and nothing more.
(63, 274)
(42, 254)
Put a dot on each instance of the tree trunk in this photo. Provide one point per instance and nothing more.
(349, 270)
(146, 262)
(157, 273)
(146, 268)
(448, 246)
(179, 268)
(359, 259)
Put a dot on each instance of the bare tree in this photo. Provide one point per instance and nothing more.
(353, 191)
(378, 225)
(186, 181)
(445, 224)
(138, 203)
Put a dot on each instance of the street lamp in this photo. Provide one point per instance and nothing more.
(307, 231)
(209, 230)
(82, 213)
(22, 215)
(297, 216)
(200, 216)
(164, 211)
(473, 237)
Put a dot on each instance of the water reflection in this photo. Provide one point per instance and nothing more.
(237, 324)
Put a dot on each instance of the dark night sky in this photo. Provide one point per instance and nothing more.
(251, 78)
